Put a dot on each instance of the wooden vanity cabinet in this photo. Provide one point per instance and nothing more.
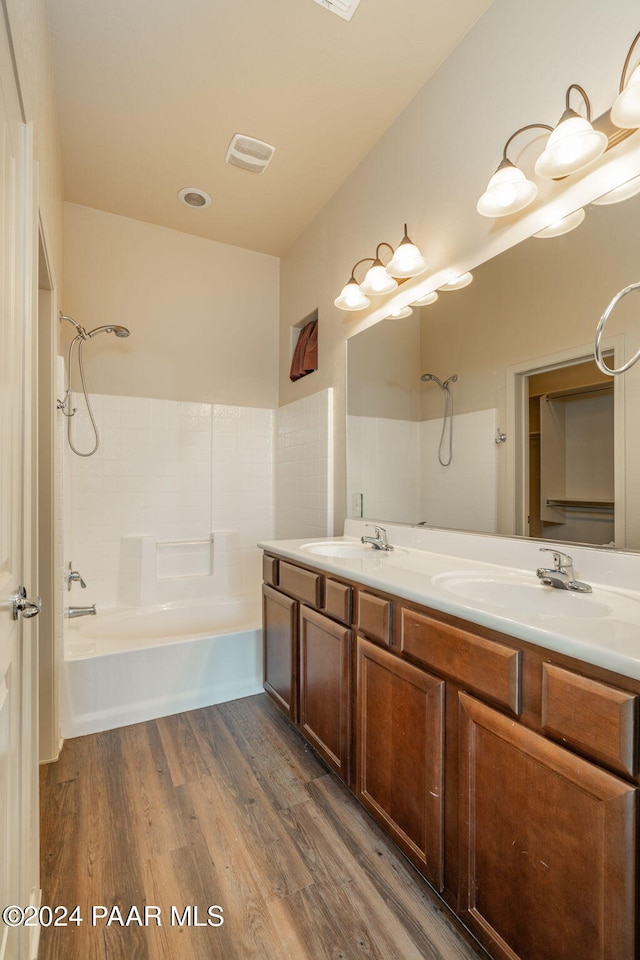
(507, 774)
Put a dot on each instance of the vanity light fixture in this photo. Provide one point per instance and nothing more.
(457, 282)
(406, 261)
(426, 300)
(508, 190)
(625, 111)
(622, 192)
(399, 314)
(573, 144)
(562, 226)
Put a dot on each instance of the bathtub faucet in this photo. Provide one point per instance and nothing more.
(73, 612)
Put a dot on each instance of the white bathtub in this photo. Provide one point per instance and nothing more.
(125, 666)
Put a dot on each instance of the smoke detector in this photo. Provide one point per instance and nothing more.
(194, 197)
(248, 153)
(344, 8)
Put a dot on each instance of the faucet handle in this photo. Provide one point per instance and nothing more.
(560, 560)
(72, 576)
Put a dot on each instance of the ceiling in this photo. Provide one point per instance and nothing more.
(150, 92)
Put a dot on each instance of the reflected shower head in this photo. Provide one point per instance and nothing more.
(432, 376)
(110, 328)
(428, 376)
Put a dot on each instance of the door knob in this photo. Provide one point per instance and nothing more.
(27, 606)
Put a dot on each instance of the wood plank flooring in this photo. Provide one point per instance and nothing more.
(228, 807)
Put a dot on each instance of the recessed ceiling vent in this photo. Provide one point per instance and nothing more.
(249, 154)
(344, 8)
(194, 197)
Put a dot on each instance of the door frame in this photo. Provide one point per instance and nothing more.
(517, 452)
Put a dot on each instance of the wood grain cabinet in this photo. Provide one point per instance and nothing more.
(547, 845)
(280, 649)
(508, 777)
(325, 688)
(400, 754)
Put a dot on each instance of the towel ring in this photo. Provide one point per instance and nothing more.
(600, 330)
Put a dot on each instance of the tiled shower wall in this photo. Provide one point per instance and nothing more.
(180, 471)
(394, 465)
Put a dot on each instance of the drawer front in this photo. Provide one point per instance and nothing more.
(270, 571)
(594, 718)
(338, 600)
(483, 666)
(374, 617)
(303, 584)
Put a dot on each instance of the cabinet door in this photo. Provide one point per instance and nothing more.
(400, 754)
(280, 648)
(547, 845)
(325, 688)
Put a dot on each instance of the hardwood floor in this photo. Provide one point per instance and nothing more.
(225, 807)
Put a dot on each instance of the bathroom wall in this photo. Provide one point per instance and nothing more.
(203, 315)
(433, 163)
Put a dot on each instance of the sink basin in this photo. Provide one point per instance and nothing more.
(518, 594)
(344, 548)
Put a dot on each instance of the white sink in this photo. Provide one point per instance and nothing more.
(344, 548)
(519, 594)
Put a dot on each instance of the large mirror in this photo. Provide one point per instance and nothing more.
(485, 412)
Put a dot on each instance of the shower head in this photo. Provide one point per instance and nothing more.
(432, 376)
(109, 328)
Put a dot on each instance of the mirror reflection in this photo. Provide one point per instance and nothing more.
(485, 410)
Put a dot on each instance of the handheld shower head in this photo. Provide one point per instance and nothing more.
(444, 386)
(430, 376)
(110, 328)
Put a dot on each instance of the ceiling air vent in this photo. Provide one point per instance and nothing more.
(248, 153)
(344, 8)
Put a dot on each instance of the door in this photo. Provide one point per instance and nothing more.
(325, 688)
(280, 645)
(18, 742)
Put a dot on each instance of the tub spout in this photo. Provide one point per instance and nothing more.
(73, 612)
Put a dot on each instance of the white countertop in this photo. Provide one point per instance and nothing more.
(601, 628)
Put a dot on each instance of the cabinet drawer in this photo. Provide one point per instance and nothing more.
(483, 666)
(303, 584)
(598, 720)
(270, 571)
(374, 617)
(337, 600)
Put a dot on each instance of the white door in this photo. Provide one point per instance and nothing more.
(18, 762)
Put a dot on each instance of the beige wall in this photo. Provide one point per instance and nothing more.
(435, 160)
(203, 315)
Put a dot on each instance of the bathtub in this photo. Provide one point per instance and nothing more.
(125, 666)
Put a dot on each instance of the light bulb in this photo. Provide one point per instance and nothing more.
(377, 281)
(625, 111)
(508, 191)
(351, 297)
(399, 314)
(573, 145)
(562, 226)
(622, 192)
(457, 281)
(426, 300)
(407, 261)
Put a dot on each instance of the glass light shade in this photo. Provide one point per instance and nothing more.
(623, 192)
(407, 261)
(399, 314)
(426, 300)
(351, 297)
(457, 283)
(573, 145)
(625, 111)
(377, 281)
(508, 191)
(564, 225)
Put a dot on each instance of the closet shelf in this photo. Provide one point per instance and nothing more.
(581, 504)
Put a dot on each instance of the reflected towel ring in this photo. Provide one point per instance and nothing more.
(600, 330)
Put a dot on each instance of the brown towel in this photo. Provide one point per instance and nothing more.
(305, 355)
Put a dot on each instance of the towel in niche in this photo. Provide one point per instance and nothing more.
(305, 355)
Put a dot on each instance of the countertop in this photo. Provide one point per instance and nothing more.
(602, 628)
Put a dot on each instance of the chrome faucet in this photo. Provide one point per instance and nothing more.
(561, 575)
(73, 612)
(72, 576)
(379, 540)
